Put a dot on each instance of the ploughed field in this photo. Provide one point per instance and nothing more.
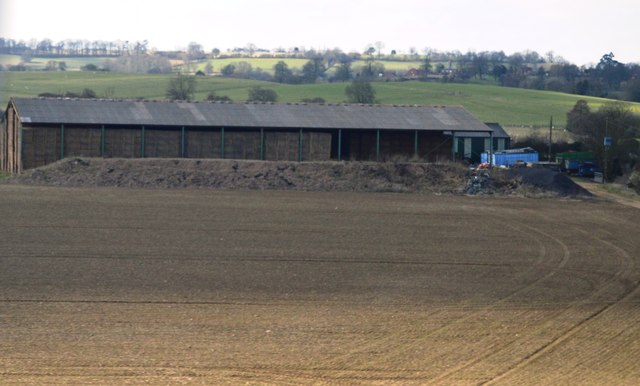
(113, 286)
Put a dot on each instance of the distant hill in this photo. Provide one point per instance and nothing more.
(512, 107)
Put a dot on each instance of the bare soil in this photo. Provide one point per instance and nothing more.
(152, 286)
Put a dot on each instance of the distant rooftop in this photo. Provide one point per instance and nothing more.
(266, 115)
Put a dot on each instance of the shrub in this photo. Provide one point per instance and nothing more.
(212, 97)
(314, 100)
(89, 67)
(259, 94)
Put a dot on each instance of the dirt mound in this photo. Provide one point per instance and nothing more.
(232, 174)
(446, 178)
(546, 180)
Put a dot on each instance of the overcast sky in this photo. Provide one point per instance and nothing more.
(580, 31)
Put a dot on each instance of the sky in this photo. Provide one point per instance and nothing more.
(580, 31)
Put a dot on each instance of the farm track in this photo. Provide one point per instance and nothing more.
(291, 288)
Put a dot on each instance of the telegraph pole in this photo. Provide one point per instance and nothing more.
(550, 137)
(607, 144)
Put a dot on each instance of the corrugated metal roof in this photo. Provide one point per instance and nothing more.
(498, 132)
(266, 115)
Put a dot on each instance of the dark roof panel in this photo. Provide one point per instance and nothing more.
(266, 115)
(498, 132)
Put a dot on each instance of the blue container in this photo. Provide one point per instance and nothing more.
(510, 158)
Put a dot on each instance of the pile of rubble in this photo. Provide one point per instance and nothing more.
(523, 182)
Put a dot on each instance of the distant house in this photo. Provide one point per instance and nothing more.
(470, 145)
(414, 73)
(388, 75)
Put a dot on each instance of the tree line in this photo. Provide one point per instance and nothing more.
(608, 78)
(614, 120)
(72, 47)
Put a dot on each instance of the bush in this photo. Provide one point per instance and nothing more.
(18, 67)
(49, 95)
(212, 97)
(541, 145)
(313, 100)
(88, 93)
(360, 91)
(89, 67)
(259, 94)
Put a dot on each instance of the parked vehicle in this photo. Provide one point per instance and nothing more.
(571, 161)
(587, 169)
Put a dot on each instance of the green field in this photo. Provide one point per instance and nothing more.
(39, 63)
(267, 64)
(509, 106)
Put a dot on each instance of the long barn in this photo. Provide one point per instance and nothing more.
(37, 132)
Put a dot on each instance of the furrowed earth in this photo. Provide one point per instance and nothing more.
(130, 285)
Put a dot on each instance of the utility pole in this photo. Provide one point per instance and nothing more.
(550, 137)
(607, 144)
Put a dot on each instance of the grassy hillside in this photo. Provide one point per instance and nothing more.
(509, 106)
(39, 63)
(267, 64)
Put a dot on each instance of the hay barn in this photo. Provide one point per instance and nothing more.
(37, 132)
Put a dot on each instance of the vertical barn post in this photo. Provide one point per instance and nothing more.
(102, 141)
(378, 145)
(300, 146)
(20, 134)
(222, 142)
(182, 142)
(262, 144)
(339, 144)
(62, 141)
(142, 143)
(453, 146)
(415, 144)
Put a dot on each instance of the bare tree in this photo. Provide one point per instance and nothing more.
(379, 46)
(182, 87)
(251, 48)
(195, 51)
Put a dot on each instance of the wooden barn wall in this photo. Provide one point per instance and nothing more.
(40, 146)
(3, 144)
(162, 143)
(123, 142)
(10, 160)
(285, 146)
(81, 142)
(397, 146)
(434, 146)
(362, 145)
(241, 144)
(316, 146)
(202, 143)
(281, 145)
